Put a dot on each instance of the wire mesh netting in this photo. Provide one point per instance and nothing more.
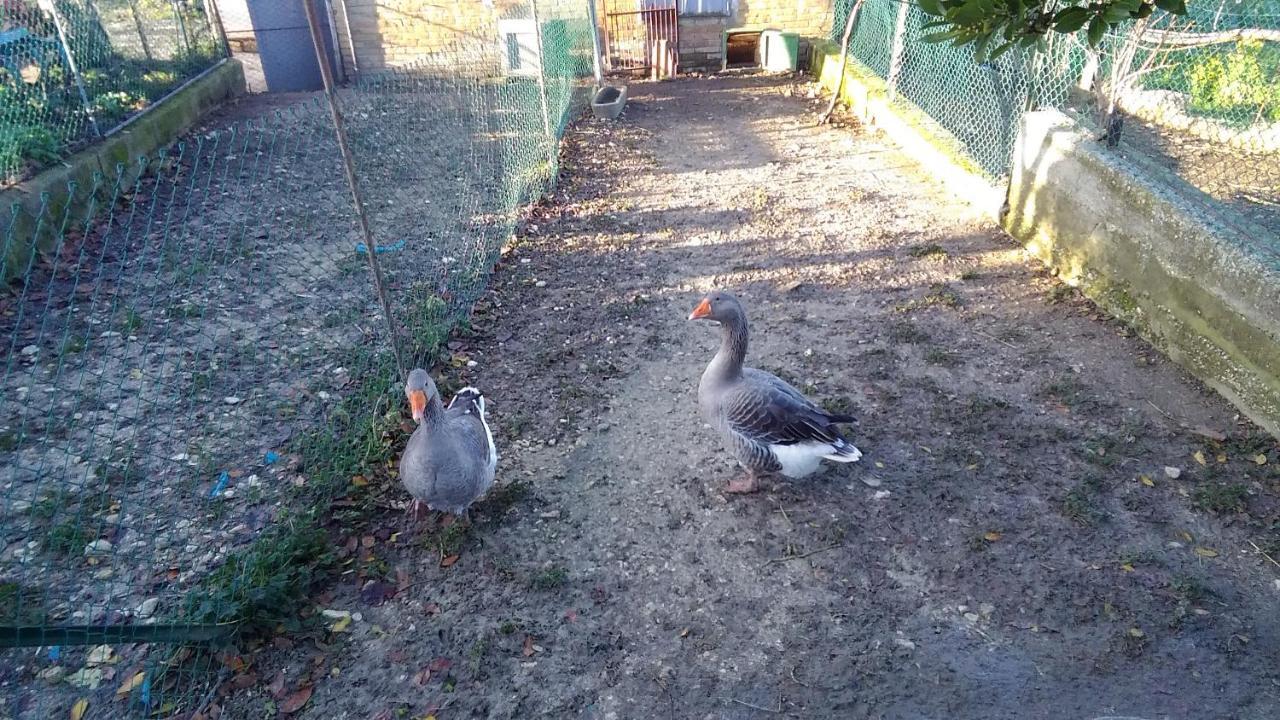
(198, 362)
(1193, 102)
(74, 70)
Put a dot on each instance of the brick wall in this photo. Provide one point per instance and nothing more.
(700, 37)
(387, 33)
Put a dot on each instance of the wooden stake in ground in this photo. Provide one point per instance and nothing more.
(844, 57)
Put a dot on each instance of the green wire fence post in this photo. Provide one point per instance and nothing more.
(142, 34)
(595, 42)
(71, 65)
(899, 49)
(182, 27)
(215, 17)
(542, 86)
(353, 182)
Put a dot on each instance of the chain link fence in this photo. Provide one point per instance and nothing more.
(198, 364)
(75, 70)
(1193, 102)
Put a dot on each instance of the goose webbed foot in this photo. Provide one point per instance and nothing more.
(748, 482)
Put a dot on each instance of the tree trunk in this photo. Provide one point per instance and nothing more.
(844, 58)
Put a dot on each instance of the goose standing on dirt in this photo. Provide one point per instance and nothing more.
(450, 460)
(767, 424)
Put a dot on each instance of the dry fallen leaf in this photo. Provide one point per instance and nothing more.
(244, 680)
(1260, 459)
(1206, 552)
(1173, 472)
(992, 536)
(684, 633)
(528, 646)
(1199, 456)
(359, 481)
(294, 702)
(79, 709)
(421, 677)
(448, 560)
(1221, 459)
(128, 685)
(1137, 632)
(276, 688)
(342, 624)
(1146, 480)
(1127, 567)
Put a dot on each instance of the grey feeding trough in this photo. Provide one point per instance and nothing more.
(609, 101)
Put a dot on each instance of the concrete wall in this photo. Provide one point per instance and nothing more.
(1190, 286)
(1124, 236)
(163, 123)
(919, 136)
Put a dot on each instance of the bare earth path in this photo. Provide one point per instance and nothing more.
(997, 553)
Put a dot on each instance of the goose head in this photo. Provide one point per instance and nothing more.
(420, 390)
(719, 307)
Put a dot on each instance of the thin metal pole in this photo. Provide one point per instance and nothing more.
(351, 40)
(899, 50)
(353, 182)
(215, 16)
(182, 26)
(542, 84)
(333, 36)
(71, 64)
(595, 42)
(142, 35)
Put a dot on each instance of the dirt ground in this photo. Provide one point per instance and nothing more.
(1013, 544)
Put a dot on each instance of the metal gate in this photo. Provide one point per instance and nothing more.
(644, 38)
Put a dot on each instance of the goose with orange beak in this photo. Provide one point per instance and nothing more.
(451, 460)
(767, 425)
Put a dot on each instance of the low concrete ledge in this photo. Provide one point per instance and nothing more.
(1192, 287)
(920, 136)
(160, 125)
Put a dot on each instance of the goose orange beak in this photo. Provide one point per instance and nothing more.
(702, 312)
(418, 403)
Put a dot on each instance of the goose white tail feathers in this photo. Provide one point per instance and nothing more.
(470, 395)
(844, 452)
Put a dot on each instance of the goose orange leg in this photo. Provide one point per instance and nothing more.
(749, 482)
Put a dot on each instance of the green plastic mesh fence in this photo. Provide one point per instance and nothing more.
(74, 70)
(198, 364)
(1193, 102)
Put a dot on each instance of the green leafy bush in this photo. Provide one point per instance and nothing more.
(1240, 85)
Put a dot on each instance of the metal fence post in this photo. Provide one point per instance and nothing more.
(899, 49)
(71, 63)
(351, 39)
(542, 85)
(142, 34)
(595, 42)
(353, 181)
(214, 15)
(182, 26)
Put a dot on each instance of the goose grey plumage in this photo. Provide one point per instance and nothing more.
(450, 461)
(766, 424)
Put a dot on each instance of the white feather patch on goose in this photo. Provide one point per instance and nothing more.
(801, 459)
(488, 434)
